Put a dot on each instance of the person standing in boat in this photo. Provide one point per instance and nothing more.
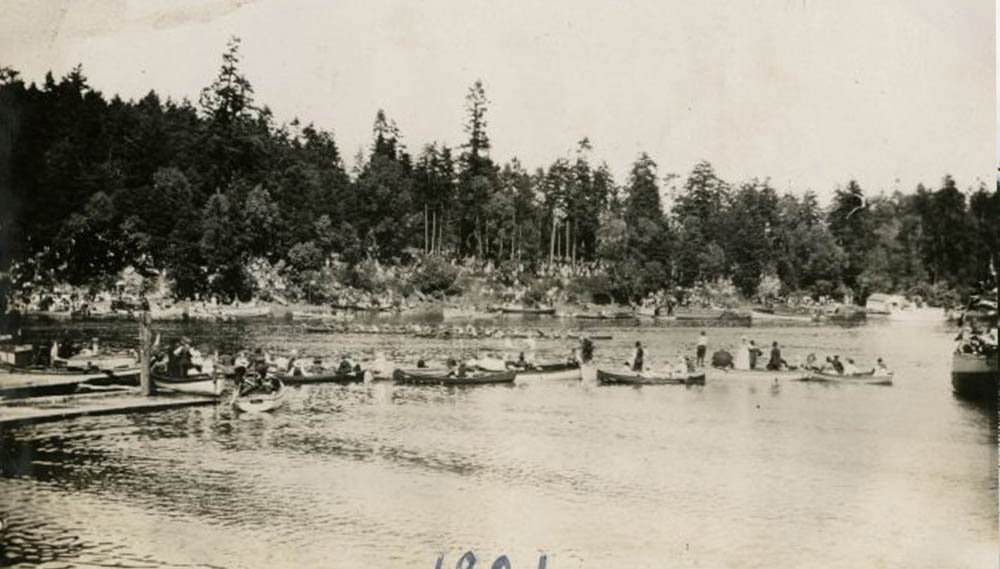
(638, 357)
(775, 362)
(754, 352)
(702, 348)
(742, 357)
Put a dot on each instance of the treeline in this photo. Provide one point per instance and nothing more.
(203, 191)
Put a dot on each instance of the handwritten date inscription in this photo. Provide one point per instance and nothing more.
(468, 561)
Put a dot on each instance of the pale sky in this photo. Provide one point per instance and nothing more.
(810, 94)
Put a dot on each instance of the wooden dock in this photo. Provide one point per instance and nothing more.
(118, 401)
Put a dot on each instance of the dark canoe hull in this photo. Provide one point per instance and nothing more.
(865, 378)
(353, 377)
(126, 376)
(615, 316)
(441, 377)
(61, 385)
(608, 378)
(975, 377)
(538, 311)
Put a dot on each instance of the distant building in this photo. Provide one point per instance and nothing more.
(879, 303)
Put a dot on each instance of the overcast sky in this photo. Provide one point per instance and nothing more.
(810, 94)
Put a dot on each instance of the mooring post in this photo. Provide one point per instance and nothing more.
(145, 331)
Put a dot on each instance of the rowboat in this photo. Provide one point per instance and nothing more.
(869, 378)
(632, 378)
(562, 371)
(103, 362)
(197, 384)
(256, 402)
(445, 377)
(975, 376)
(327, 376)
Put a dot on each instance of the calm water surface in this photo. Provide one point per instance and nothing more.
(736, 473)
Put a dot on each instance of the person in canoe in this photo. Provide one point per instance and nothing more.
(638, 358)
(837, 365)
(179, 359)
(880, 368)
(850, 368)
(345, 367)
(521, 362)
(260, 363)
(775, 362)
(240, 365)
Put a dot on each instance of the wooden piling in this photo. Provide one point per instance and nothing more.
(145, 331)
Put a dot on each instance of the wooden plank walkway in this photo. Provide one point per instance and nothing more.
(40, 409)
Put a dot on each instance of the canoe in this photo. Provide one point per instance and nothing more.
(772, 317)
(590, 336)
(198, 384)
(787, 374)
(260, 402)
(711, 314)
(442, 377)
(526, 310)
(328, 376)
(975, 376)
(561, 371)
(866, 378)
(632, 378)
(17, 385)
(605, 316)
(320, 330)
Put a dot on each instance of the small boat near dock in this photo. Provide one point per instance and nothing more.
(632, 378)
(259, 402)
(197, 384)
(35, 384)
(975, 376)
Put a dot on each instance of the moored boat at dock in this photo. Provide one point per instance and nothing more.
(975, 376)
(197, 384)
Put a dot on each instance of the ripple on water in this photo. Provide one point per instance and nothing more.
(385, 475)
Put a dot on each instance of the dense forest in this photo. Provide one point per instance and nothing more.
(202, 192)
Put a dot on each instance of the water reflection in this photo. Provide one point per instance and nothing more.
(387, 475)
